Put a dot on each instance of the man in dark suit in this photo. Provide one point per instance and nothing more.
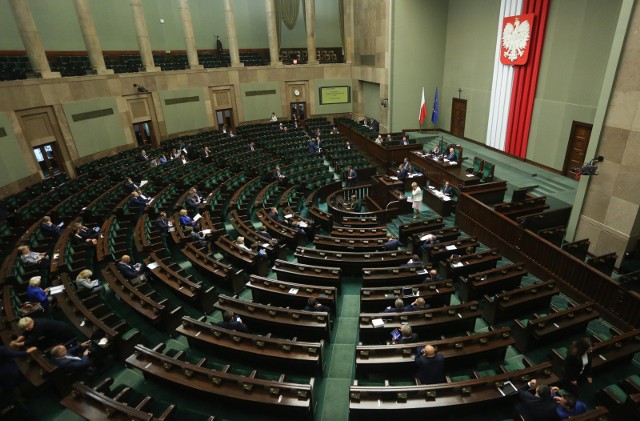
(232, 322)
(251, 147)
(447, 189)
(137, 203)
(430, 366)
(128, 270)
(130, 185)
(432, 276)
(418, 304)
(163, 224)
(48, 227)
(43, 332)
(537, 406)
(451, 156)
(312, 146)
(391, 244)
(414, 261)
(273, 214)
(408, 337)
(143, 156)
(398, 307)
(194, 201)
(71, 359)
(262, 231)
(314, 305)
(204, 153)
(352, 177)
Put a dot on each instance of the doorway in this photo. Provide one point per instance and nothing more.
(458, 116)
(577, 147)
(298, 110)
(48, 159)
(144, 134)
(225, 118)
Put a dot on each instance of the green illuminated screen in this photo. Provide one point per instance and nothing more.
(335, 95)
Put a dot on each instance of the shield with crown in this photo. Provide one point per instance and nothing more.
(515, 39)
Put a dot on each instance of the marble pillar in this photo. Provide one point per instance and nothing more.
(272, 29)
(143, 36)
(90, 37)
(31, 38)
(230, 20)
(189, 38)
(310, 13)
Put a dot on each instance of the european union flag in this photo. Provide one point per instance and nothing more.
(434, 114)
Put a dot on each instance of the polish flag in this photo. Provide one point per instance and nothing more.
(423, 109)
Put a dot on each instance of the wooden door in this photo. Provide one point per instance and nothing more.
(458, 116)
(577, 147)
(224, 118)
(298, 111)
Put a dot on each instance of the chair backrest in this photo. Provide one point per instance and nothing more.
(487, 173)
(477, 165)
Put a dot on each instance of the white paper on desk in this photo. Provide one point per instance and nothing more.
(172, 229)
(424, 237)
(457, 265)
(293, 291)
(393, 177)
(432, 187)
(56, 255)
(152, 265)
(421, 272)
(469, 175)
(446, 198)
(445, 159)
(61, 224)
(195, 218)
(265, 244)
(377, 322)
(451, 247)
(411, 175)
(409, 199)
(56, 289)
(302, 224)
(289, 215)
(103, 341)
(205, 232)
(143, 182)
(452, 162)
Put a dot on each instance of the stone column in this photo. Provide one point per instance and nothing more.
(31, 38)
(90, 37)
(310, 13)
(348, 31)
(230, 20)
(272, 32)
(143, 36)
(189, 38)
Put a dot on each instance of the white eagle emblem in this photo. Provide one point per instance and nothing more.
(515, 38)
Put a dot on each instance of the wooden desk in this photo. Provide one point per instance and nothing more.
(426, 323)
(309, 274)
(309, 325)
(394, 275)
(471, 263)
(439, 400)
(554, 325)
(352, 262)
(288, 354)
(491, 281)
(436, 294)
(294, 398)
(442, 205)
(509, 304)
(395, 360)
(289, 294)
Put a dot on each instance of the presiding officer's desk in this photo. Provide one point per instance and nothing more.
(438, 171)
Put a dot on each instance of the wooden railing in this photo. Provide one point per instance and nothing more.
(545, 260)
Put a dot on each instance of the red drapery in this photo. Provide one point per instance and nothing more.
(525, 80)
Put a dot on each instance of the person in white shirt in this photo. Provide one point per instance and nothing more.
(240, 243)
(416, 196)
(273, 117)
(379, 140)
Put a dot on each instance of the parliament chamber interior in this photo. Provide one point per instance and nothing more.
(319, 209)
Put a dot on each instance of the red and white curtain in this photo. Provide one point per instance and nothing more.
(514, 87)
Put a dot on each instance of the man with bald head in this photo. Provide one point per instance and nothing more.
(430, 366)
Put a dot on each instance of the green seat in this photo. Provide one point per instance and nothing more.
(459, 378)
(617, 393)
(485, 373)
(635, 379)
